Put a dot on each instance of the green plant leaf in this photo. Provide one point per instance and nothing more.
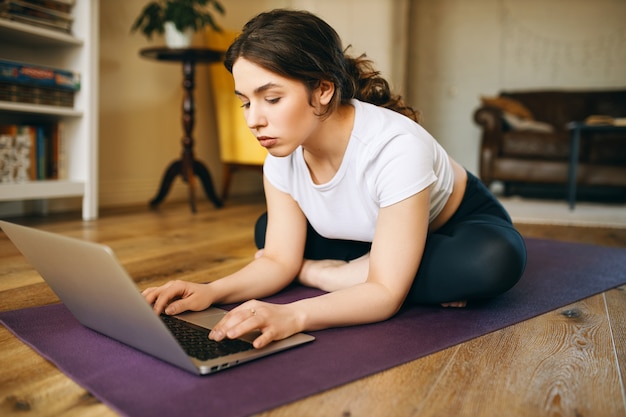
(185, 14)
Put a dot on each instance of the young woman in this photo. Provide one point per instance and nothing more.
(362, 202)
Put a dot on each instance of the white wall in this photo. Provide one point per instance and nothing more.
(464, 49)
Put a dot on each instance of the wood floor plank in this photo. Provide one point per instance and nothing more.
(32, 295)
(560, 363)
(395, 392)
(616, 310)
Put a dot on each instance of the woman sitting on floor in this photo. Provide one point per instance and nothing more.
(362, 202)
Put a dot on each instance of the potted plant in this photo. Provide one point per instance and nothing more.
(176, 17)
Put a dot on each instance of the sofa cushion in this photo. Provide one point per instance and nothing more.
(514, 122)
(508, 105)
(535, 145)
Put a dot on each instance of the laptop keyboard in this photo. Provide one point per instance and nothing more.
(196, 343)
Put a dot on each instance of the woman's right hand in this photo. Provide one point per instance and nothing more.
(178, 296)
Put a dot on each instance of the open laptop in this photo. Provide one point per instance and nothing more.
(94, 286)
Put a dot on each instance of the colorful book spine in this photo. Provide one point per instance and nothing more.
(41, 152)
(15, 154)
(31, 152)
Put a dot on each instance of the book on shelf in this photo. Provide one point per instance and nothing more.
(15, 158)
(50, 14)
(31, 152)
(64, 6)
(35, 95)
(35, 84)
(14, 72)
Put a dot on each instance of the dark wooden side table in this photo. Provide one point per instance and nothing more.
(576, 129)
(187, 166)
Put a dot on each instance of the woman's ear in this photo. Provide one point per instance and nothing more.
(326, 91)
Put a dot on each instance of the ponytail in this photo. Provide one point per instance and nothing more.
(369, 86)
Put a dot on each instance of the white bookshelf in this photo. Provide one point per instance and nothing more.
(76, 52)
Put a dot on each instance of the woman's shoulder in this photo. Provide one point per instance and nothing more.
(282, 172)
(376, 125)
(371, 116)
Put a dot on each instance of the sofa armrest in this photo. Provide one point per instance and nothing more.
(490, 119)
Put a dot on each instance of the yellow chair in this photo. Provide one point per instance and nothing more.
(238, 146)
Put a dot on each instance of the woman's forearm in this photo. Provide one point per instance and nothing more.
(260, 278)
(368, 302)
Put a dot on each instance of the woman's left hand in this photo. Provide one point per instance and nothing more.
(274, 321)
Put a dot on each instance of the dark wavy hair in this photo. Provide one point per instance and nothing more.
(301, 46)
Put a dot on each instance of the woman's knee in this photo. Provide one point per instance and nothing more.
(504, 260)
(477, 263)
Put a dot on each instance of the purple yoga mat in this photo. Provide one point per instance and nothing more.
(135, 384)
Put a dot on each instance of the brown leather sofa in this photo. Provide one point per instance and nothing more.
(525, 139)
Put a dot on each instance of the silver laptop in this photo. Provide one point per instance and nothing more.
(94, 286)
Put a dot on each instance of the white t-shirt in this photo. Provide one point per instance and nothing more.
(389, 158)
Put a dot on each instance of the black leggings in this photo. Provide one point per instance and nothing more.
(476, 255)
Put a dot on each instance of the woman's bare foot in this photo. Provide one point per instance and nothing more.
(332, 275)
(455, 304)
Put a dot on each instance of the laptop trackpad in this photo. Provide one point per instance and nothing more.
(209, 318)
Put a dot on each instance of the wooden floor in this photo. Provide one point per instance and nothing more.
(569, 362)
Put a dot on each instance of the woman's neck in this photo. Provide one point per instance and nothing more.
(324, 151)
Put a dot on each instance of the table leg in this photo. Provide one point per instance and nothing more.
(573, 166)
(189, 108)
(188, 177)
(187, 167)
(175, 169)
(201, 171)
(166, 183)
